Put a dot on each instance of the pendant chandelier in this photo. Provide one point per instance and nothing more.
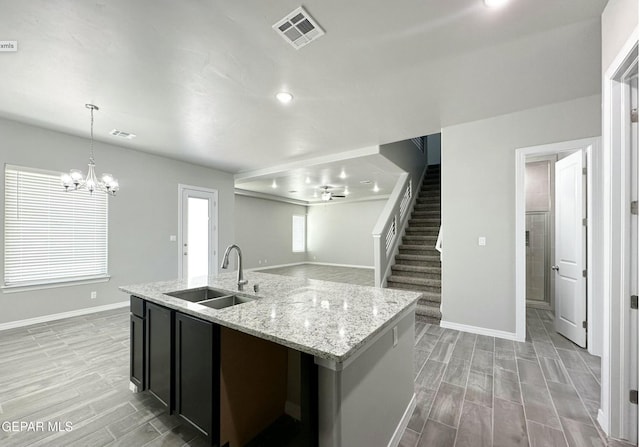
(75, 179)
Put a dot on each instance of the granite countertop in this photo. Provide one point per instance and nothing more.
(325, 319)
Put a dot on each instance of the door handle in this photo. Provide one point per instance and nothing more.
(555, 268)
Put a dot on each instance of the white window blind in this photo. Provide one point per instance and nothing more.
(51, 235)
(299, 234)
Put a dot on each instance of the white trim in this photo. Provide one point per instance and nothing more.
(60, 316)
(213, 223)
(293, 410)
(347, 201)
(404, 422)
(370, 267)
(479, 330)
(613, 399)
(54, 285)
(602, 421)
(589, 145)
(262, 267)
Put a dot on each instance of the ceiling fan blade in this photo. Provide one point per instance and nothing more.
(340, 196)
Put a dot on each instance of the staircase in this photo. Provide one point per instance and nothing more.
(417, 266)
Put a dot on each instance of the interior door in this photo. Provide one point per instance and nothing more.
(570, 259)
(198, 238)
(633, 256)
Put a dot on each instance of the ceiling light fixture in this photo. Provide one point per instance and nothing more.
(343, 175)
(307, 180)
(326, 196)
(375, 188)
(284, 97)
(495, 3)
(346, 191)
(76, 180)
(274, 185)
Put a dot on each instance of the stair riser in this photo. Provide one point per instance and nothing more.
(422, 275)
(429, 301)
(423, 319)
(428, 200)
(418, 288)
(429, 243)
(422, 252)
(426, 207)
(422, 231)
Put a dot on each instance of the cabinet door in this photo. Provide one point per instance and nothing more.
(159, 344)
(137, 352)
(198, 374)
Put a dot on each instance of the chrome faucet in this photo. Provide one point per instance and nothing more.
(225, 264)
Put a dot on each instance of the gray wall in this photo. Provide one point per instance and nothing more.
(263, 231)
(141, 217)
(341, 233)
(619, 19)
(408, 157)
(478, 199)
(434, 143)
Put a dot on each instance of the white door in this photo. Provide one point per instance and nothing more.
(571, 298)
(198, 235)
(633, 261)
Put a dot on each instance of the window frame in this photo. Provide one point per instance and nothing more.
(303, 219)
(53, 281)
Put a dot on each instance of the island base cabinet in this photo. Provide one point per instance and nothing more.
(197, 372)
(159, 353)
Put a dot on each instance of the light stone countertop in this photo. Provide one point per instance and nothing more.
(326, 319)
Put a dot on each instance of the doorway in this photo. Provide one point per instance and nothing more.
(619, 412)
(586, 151)
(197, 229)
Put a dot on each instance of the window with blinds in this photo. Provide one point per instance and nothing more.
(299, 234)
(51, 236)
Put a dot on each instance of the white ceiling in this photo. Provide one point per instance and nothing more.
(195, 80)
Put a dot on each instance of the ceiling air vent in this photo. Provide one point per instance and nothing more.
(298, 28)
(121, 134)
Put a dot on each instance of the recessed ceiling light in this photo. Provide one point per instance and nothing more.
(274, 185)
(375, 188)
(495, 3)
(343, 174)
(307, 180)
(346, 191)
(284, 97)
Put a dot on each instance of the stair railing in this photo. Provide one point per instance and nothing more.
(390, 226)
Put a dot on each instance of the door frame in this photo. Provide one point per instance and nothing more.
(213, 222)
(591, 147)
(613, 415)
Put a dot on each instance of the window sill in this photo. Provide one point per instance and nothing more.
(53, 285)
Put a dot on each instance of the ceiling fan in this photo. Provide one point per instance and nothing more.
(328, 195)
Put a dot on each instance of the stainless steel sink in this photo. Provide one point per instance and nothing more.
(197, 295)
(216, 299)
(225, 301)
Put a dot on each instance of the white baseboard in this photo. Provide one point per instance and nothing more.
(293, 410)
(340, 265)
(60, 316)
(264, 267)
(406, 417)
(603, 422)
(479, 330)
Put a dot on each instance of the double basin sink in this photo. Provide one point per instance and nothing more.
(216, 299)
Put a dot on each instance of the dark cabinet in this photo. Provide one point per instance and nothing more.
(159, 353)
(137, 348)
(197, 374)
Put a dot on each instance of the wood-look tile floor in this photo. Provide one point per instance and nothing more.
(474, 390)
(350, 275)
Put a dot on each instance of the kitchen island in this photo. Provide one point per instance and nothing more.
(355, 345)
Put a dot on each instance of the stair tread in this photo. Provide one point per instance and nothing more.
(416, 268)
(428, 311)
(425, 258)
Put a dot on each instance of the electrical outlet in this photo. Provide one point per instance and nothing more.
(482, 241)
(172, 238)
(94, 295)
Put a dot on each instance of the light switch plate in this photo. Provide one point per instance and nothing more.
(172, 238)
(482, 241)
